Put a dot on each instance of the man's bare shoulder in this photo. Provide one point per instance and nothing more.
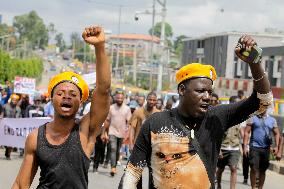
(31, 141)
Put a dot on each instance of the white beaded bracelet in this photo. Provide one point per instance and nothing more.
(256, 80)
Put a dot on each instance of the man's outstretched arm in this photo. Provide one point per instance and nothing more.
(100, 98)
(29, 166)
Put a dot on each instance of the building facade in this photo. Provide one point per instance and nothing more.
(218, 51)
(233, 74)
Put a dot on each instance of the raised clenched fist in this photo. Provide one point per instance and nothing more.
(94, 35)
(247, 50)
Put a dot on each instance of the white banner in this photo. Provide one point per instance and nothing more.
(24, 85)
(13, 131)
(90, 78)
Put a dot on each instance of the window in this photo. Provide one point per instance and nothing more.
(279, 67)
(200, 44)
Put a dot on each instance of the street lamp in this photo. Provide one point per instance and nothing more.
(153, 13)
(162, 43)
(162, 39)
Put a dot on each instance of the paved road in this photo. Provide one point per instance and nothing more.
(102, 180)
(48, 74)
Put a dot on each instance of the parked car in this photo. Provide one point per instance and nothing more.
(52, 68)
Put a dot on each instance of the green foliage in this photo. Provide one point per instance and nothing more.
(9, 41)
(9, 68)
(60, 42)
(4, 29)
(178, 45)
(173, 64)
(80, 48)
(157, 30)
(32, 28)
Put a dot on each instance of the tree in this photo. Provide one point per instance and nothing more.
(51, 29)
(77, 45)
(9, 68)
(178, 45)
(168, 31)
(82, 51)
(10, 39)
(60, 42)
(32, 28)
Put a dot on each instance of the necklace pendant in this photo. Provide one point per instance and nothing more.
(192, 133)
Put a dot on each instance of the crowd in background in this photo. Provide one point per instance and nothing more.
(126, 115)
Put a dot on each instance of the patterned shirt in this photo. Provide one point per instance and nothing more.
(177, 159)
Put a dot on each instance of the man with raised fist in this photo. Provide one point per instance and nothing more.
(62, 147)
(181, 146)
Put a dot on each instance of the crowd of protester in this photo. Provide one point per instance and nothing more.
(127, 113)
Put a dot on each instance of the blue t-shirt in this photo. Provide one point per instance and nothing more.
(48, 109)
(261, 129)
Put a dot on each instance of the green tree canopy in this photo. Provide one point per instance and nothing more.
(168, 31)
(60, 42)
(5, 29)
(32, 28)
(157, 30)
(178, 45)
(8, 38)
(82, 50)
(10, 67)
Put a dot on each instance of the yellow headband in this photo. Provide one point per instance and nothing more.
(15, 96)
(71, 77)
(194, 70)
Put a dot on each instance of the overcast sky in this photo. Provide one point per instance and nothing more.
(187, 17)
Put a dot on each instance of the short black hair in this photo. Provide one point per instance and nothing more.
(66, 81)
(215, 95)
(151, 94)
(159, 99)
(186, 82)
(233, 99)
(141, 95)
(119, 92)
(240, 92)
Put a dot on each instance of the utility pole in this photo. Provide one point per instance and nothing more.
(123, 67)
(84, 53)
(152, 45)
(135, 64)
(73, 51)
(162, 43)
(118, 43)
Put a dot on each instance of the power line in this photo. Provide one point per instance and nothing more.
(110, 4)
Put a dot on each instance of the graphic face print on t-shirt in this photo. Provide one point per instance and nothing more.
(172, 164)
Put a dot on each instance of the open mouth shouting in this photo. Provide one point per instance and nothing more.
(204, 107)
(66, 106)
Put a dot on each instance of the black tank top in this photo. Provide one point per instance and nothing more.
(62, 166)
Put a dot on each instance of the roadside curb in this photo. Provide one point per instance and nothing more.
(277, 167)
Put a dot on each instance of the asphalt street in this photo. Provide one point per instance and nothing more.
(103, 180)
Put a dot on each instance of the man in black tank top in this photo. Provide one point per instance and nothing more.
(62, 148)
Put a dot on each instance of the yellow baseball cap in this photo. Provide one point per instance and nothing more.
(71, 77)
(195, 70)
